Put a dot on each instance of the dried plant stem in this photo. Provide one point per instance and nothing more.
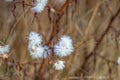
(23, 3)
(53, 34)
(14, 26)
(99, 41)
(91, 20)
(104, 58)
(40, 76)
(104, 33)
(80, 44)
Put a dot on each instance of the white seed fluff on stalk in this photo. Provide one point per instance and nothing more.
(4, 49)
(34, 38)
(39, 6)
(64, 47)
(35, 47)
(47, 50)
(59, 65)
(118, 61)
(37, 52)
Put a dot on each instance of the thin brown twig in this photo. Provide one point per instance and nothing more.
(104, 33)
(108, 60)
(53, 34)
(94, 52)
(14, 26)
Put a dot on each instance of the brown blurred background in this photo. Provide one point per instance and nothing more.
(85, 21)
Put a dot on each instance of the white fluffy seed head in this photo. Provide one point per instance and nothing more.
(34, 38)
(59, 65)
(35, 47)
(4, 49)
(64, 47)
(118, 61)
(38, 51)
(39, 6)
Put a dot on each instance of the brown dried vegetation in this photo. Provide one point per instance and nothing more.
(94, 26)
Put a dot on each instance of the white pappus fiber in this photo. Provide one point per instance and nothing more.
(35, 47)
(59, 65)
(39, 51)
(118, 61)
(64, 46)
(39, 6)
(35, 38)
(4, 49)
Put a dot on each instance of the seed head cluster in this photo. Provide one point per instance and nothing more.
(63, 47)
(35, 47)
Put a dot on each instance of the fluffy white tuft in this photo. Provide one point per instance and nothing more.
(4, 49)
(35, 47)
(64, 47)
(118, 61)
(34, 38)
(37, 52)
(39, 6)
(59, 65)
